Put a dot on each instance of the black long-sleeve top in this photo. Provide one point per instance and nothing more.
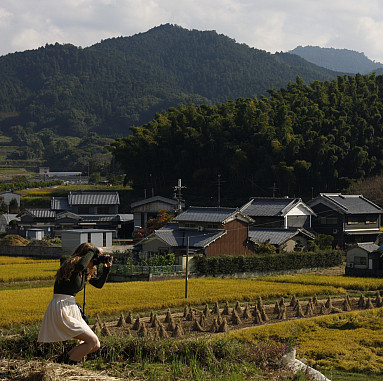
(78, 278)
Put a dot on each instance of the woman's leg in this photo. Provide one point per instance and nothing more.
(90, 344)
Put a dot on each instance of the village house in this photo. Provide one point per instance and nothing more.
(348, 218)
(80, 210)
(284, 240)
(273, 212)
(148, 208)
(200, 230)
(364, 259)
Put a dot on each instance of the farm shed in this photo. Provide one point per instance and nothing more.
(35, 233)
(363, 259)
(75, 237)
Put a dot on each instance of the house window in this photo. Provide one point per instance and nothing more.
(89, 237)
(352, 220)
(360, 260)
(371, 220)
(212, 226)
(104, 239)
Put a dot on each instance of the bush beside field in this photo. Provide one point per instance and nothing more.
(266, 263)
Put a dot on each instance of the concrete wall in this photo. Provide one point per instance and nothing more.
(34, 251)
(49, 252)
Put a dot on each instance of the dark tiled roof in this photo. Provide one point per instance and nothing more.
(97, 217)
(276, 236)
(59, 203)
(269, 207)
(41, 213)
(200, 214)
(348, 204)
(93, 198)
(178, 237)
(154, 199)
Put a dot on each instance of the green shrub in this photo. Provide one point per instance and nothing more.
(276, 262)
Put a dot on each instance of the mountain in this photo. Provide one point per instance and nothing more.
(344, 60)
(110, 86)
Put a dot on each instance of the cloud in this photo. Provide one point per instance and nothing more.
(272, 25)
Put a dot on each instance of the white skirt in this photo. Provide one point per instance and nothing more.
(62, 320)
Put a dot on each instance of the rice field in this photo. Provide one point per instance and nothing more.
(348, 283)
(23, 306)
(24, 260)
(22, 269)
(351, 341)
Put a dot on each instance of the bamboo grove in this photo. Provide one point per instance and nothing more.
(301, 140)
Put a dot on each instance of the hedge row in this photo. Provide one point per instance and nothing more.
(277, 262)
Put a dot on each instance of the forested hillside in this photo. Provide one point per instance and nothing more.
(344, 60)
(123, 81)
(302, 140)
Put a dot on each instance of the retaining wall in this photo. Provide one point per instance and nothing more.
(49, 251)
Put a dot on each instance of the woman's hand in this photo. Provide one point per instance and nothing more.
(109, 263)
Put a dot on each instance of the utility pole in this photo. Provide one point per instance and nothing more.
(219, 190)
(274, 188)
(187, 268)
(151, 184)
(178, 195)
(219, 182)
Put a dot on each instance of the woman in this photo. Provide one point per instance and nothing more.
(62, 319)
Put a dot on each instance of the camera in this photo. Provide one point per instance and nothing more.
(97, 259)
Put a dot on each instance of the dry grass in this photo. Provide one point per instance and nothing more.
(48, 371)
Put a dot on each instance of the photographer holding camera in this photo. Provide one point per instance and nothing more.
(63, 320)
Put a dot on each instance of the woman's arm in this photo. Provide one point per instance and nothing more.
(83, 263)
(100, 281)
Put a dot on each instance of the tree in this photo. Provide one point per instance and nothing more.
(163, 217)
(13, 206)
(94, 178)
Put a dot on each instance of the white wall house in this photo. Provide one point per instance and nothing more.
(75, 237)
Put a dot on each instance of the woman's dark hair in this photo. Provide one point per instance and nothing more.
(66, 269)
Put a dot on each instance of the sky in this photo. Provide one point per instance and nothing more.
(271, 25)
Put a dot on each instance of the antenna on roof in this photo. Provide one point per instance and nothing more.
(178, 195)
